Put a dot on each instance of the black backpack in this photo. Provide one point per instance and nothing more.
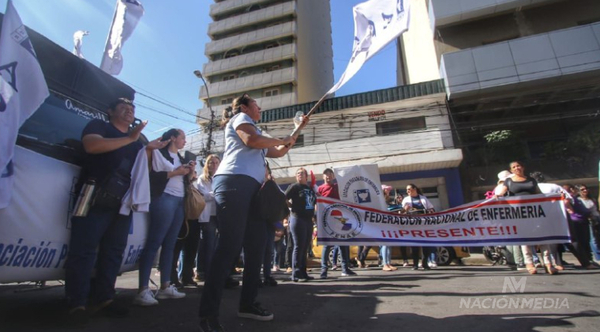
(272, 204)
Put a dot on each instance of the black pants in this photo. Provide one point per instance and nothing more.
(581, 242)
(416, 251)
(189, 244)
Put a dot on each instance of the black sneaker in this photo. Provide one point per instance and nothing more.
(231, 283)
(270, 282)
(210, 325)
(348, 273)
(323, 274)
(256, 312)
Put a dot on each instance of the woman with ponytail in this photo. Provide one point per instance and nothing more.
(168, 178)
(236, 182)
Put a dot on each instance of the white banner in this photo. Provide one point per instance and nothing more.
(535, 219)
(35, 227)
(360, 184)
(22, 90)
(376, 24)
(127, 15)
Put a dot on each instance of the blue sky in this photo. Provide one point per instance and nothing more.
(168, 45)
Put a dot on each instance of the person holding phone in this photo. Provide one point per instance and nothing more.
(168, 178)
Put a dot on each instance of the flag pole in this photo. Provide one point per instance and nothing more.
(297, 130)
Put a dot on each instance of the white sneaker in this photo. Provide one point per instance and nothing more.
(169, 293)
(432, 265)
(145, 298)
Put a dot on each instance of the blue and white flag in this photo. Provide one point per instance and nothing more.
(127, 15)
(376, 24)
(22, 90)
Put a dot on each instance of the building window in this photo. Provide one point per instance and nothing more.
(271, 93)
(231, 55)
(227, 101)
(397, 126)
(271, 45)
(229, 77)
(272, 68)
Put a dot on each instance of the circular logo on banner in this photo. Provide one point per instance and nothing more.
(341, 221)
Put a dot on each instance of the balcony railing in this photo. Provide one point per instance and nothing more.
(224, 7)
(253, 59)
(252, 37)
(251, 18)
(251, 82)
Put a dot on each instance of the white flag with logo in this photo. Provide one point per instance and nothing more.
(127, 16)
(78, 42)
(376, 24)
(22, 90)
(360, 184)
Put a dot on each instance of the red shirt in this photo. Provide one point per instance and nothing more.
(330, 191)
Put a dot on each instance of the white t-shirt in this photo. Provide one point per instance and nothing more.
(239, 158)
(175, 184)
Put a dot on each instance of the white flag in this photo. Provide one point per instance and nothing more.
(78, 42)
(376, 23)
(22, 90)
(127, 16)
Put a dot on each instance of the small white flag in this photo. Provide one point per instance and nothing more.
(22, 90)
(376, 24)
(127, 16)
(78, 42)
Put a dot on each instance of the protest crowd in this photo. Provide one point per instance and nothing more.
(210, 226)
(247, 227)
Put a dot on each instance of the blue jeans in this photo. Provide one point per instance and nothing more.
(97, 240)
(166, 217)
(433, 255)
(344, 252)
(301, 229)
(594, 241)
(207, 244)
(279, 253)
(386, 256)
(269, 248)
(238, 226)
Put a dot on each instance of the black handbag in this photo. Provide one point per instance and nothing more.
(111, 191)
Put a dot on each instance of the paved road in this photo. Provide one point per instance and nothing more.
(454, 298)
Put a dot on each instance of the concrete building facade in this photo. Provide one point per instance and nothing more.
(278, 51)
(527, 69)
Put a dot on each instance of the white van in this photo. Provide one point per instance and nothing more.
(35, 227)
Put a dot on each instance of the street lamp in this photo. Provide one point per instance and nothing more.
(206, 151)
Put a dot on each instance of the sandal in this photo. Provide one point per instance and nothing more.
(531, 269)
(551, 270)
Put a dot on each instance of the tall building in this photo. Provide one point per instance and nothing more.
(278, 51)
(522, 79)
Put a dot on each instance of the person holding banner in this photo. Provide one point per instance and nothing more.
(416, 203)
(235, 184)
(330, 189)
(521, 184)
